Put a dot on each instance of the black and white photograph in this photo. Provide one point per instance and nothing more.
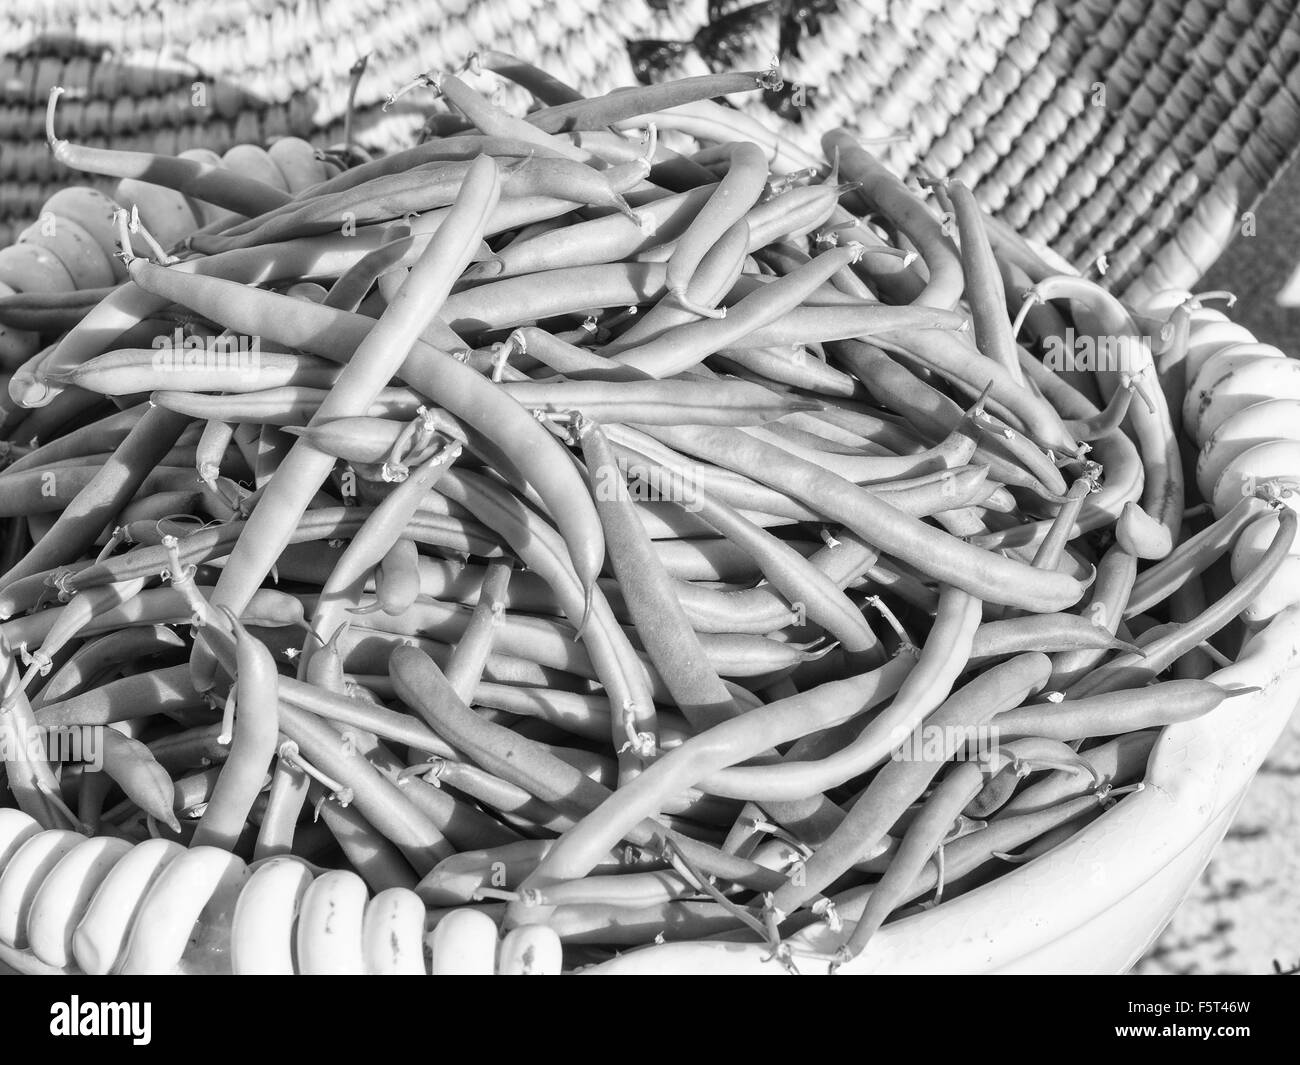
(660, 487)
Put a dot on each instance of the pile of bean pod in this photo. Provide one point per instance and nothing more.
(584, 529)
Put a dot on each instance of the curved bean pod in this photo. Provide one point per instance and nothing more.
(901, 782)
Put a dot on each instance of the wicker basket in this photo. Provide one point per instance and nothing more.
(1136, 131)
(1094, 904)
(1154, 184)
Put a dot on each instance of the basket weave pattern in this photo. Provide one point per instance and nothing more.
(1201, 97)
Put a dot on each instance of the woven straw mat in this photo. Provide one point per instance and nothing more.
(1139, 131)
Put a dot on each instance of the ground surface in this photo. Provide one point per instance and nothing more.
(1244, 914)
